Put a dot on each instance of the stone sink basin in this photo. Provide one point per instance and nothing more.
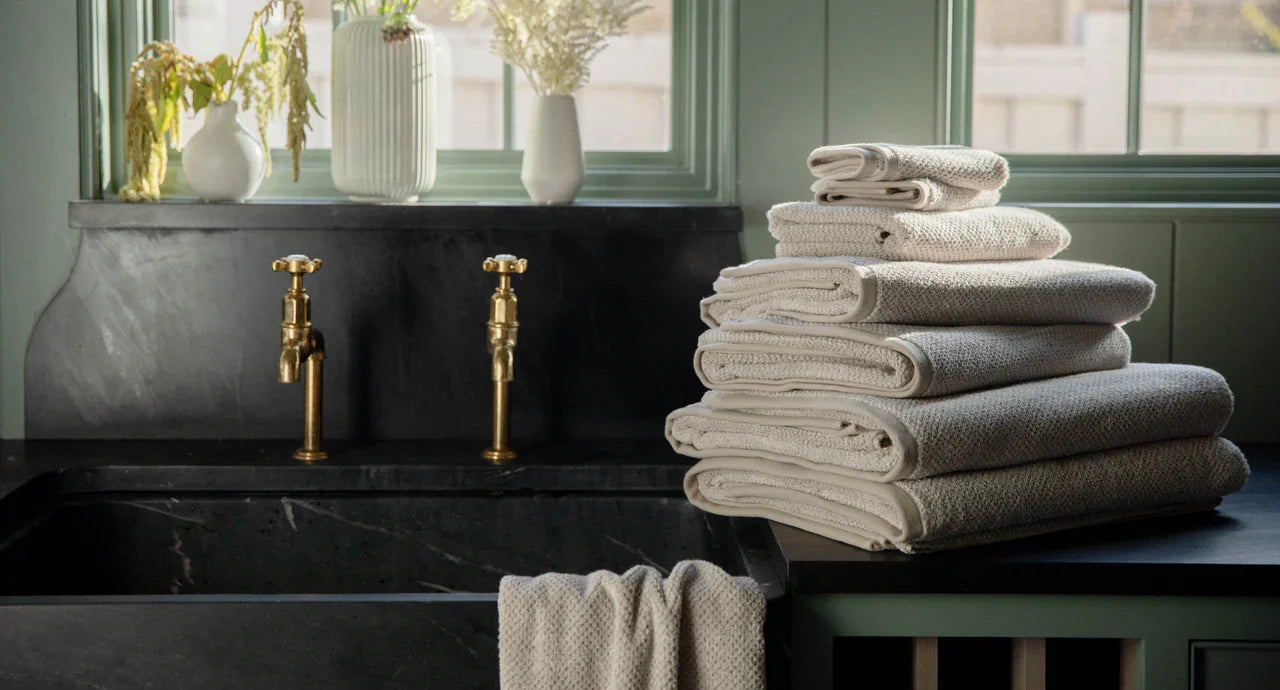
(335, 576)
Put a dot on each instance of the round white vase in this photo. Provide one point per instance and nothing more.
(223, 161)
(552, 168)
(384, 101)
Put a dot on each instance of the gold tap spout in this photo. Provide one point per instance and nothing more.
(502, 348)
(302, 346)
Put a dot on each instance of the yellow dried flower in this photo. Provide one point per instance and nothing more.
(161, 77)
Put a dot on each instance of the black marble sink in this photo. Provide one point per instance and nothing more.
(347, 543)
(327, 577)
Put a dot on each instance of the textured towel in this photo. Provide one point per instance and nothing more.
(779, 354)
(916, 195)
(1000, 233)
(700, 628)
(966, 508)
(958, 166)
(885, 439)
(851, 289)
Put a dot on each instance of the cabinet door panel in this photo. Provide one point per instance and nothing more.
(1235, 665)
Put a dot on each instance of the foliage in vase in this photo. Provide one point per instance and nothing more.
(164, 83)
(553, 41)
(396, 13)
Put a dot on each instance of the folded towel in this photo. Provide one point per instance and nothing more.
(1000, 233)
(700, 628)
(958, 166)
(966, 508)
(850, 289)
(779, 354)
(917, 195)
(885, 439)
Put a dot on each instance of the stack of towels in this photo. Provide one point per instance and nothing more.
(915, 372)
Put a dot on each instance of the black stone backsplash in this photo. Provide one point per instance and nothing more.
(164, 332)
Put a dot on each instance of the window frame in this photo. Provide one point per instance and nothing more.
(699, 167)
(1130, 177)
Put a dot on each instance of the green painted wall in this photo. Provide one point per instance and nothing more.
(39, 173)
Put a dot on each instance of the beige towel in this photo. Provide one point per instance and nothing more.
(886, 439)
(917, 195)
(700, 628)
(852, 289)
(958, 166)
(779, 354)
(966, 508)
(1000, 233)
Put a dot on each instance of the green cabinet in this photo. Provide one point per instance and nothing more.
(1161, 639)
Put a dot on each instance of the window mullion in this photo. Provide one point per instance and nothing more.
(1133, 132)
(508, 107)
(162, 20)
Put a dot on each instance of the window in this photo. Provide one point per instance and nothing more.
(1064, 76)
(655, 117)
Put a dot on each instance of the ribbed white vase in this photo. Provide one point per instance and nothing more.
(384, 100)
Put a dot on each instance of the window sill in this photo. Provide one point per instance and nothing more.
(190, 214)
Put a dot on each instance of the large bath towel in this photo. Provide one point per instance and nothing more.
(958, 166)
(1000, 233)
(916, 195)
(966, 508)
(853, 289)
(780, 354)
(887, 439)
(697, 629)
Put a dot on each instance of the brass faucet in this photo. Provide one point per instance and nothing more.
(301, 345)
(502, 350)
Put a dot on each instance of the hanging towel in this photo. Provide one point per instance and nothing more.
(916, 195)
(780, 354)
(852, 289)
(966, 508)
(886, 439)
(698, 629)
(958, 166)
(1000, 233)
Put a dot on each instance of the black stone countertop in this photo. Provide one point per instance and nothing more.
(330, 215)
(627, 465)
(1233, 551)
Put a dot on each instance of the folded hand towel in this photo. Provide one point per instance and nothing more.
(958, 166)
(916, 195)
(966, 508)
(852, 289)
(779, 354)
(885, 439)
(700, 628)
(1000, 233)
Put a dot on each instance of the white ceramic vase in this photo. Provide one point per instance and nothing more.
(552, 167)
(223, 161)
(384, 101)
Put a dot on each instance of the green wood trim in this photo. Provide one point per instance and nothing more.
(1158, 212)
(1133, 106)
(508, 107)
(700, 167)
(959, 103)
(1166, 625)
(95, 105)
